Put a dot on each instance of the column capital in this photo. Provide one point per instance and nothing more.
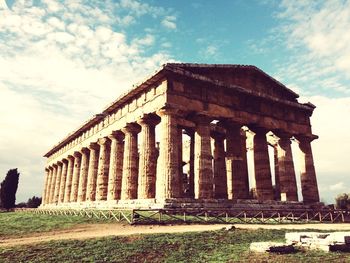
(305, 138)
(189, 131)
(103, 141)
(84, 150)
(149, 119)
(47, 169)
(132, 128)
(168, 110)
(59, 163)
(282, 134)
(93, 146)
(64, 160)
(54, 165)
(229, 124)
(70, 157)
(217, 135)
(116, 135)
(258, 130)
(77, 154)
(201, 119)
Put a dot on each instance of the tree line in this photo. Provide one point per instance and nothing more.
(8, 189)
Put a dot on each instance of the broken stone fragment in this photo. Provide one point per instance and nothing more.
(229, 228)
(272, 247)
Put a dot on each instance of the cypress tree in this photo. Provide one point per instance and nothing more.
(8, 189)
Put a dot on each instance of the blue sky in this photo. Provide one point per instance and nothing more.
(63, 61)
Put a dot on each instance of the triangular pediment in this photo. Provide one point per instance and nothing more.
(247, 77)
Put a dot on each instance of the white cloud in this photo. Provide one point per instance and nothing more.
(59, 65)
(211, 50)
(330, 122)
(331, 150)
(169, 22)
(55, 22)
(318, 34)
(337, 187)
(148, 40)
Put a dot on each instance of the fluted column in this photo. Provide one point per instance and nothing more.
(63, 180)
(75, 177)
(47, 191)
(263, 180)
(277, 176)
(244, 165)
(115, 165)
(83, 174)
(68, 186)
(180, 158)
(103, 169)
(130, 162)
(147, 160)
(236, 161)
(53, 183)
(58, 182)
(220, 177)
(286, 173)
(92, 172)
(167, 179)
(47, 173)
(308, 179)
(191, 172)
(203, 174)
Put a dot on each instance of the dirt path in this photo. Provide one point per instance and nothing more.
(103, 230)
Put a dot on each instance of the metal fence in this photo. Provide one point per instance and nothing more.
(159, 216)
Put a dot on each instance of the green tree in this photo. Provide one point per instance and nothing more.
(342, 201)
(8, 189)
(34, 202)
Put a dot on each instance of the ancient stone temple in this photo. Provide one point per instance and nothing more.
(181, 137)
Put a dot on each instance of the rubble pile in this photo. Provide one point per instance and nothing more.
(328, 242)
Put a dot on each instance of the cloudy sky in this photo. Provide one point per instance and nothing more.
(63, 61)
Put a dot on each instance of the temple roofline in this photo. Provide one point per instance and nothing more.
(179, 68)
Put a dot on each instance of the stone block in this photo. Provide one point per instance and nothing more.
(339, 237)
(272, 247)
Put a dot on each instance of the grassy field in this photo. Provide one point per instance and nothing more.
(21, 224)
(218, 246)
(215, 246)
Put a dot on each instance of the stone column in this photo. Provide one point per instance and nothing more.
(191, 174)
(63, 180)
(277, 177)
(236, 160)
(147, 160)
(83, 174)
(115, 165)
(68, 185)
(245, 179)
(47, 174)
(130, 162)
(220, 177)
(103, 169)
(263, 180)
(47, 190)
(53, 183)
(92, 172)
(167, 179)
(308, 179)
(286, 173)
(75, 177)
(180, 160)
(58, 182)
(203, 173)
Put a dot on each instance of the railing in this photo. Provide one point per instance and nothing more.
(161, 216)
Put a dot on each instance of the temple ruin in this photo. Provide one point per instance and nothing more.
(181, 137)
